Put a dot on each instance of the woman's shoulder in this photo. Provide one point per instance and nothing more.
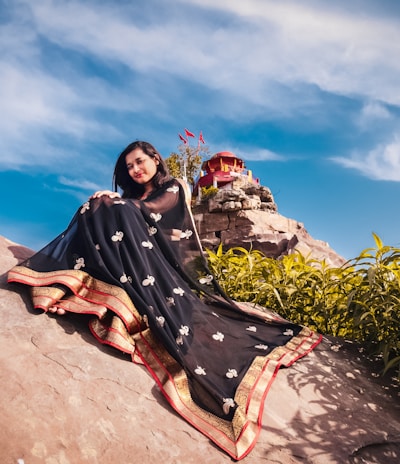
(186, 189)
(176, 184)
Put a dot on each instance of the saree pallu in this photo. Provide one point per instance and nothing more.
(130, 264)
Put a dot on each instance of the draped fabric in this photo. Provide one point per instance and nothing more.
(138, 268)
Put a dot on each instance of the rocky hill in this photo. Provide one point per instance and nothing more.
(65, 399)
(247, 215)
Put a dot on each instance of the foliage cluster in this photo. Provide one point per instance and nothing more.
(208, 192)
(358, 301)
(187, 162)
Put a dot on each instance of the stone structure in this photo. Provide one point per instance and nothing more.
(244, 214)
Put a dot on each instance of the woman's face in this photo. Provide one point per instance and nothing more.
(141, 167)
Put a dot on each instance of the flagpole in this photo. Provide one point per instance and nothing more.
(188, 135)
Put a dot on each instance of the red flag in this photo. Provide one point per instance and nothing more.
(183, 139)
(201, 137)
(189, 134)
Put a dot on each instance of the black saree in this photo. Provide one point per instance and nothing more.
(130, 263)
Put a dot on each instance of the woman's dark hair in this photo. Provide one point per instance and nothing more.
(122, 179)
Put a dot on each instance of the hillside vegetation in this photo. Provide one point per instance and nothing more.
(359, 300)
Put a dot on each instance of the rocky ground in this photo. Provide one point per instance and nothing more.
(65, 399)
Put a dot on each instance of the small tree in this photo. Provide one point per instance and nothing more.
(187, 162)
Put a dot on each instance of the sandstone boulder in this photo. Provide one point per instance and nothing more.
(65, 399)
(261, 229)
(245, 214)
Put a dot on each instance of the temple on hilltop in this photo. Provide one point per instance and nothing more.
(221, 170)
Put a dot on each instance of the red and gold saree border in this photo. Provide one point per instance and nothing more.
(123, 328)
(89, 296)
(237, 438)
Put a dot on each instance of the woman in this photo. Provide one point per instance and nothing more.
(132, 260)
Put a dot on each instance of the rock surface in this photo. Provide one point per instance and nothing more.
(65, 399)
(270, 232)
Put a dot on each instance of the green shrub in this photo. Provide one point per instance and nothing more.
(358, 301)
(208, 192)
(375, 303)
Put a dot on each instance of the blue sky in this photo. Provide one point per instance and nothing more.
(306, 92)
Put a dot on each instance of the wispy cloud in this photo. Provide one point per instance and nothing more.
(37, 106)
(338, 50)
(380, 163)
(373, 111)
(256, 154)
(74, 72)
(81, 184)
(263, 41)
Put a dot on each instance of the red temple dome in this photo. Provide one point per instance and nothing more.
(220, 170)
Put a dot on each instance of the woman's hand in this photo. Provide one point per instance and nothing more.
(109, 193)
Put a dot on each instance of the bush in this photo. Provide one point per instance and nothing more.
(358, 301)
(375, 303)
(208, 192)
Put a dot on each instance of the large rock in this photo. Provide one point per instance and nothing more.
(246, 215)
(265, 230)
(65, 399)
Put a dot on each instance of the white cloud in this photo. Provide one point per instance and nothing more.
(257, 154)
(34, 98)
(35, 107)
(81, 184)
(380, 163)
(376, 117)
(337, 50)
(261, 58)
(375, 110)
(264, 42)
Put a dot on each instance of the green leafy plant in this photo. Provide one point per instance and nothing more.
(359, 301)
(375, 303)
(208, 192)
